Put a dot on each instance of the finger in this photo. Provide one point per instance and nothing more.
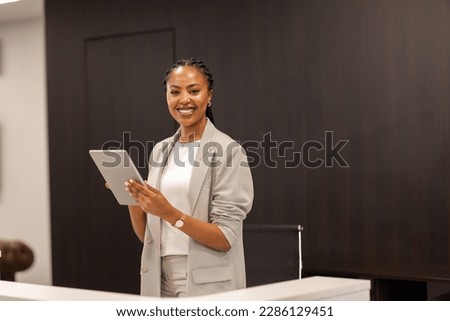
(107, 185)
(134, 192)
(137, 187)
(151, 188)
(135, 196)
(135, 183)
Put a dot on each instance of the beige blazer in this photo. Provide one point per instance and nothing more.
(221, 192)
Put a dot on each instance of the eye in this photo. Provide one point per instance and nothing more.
(195, 91)
(174, 92)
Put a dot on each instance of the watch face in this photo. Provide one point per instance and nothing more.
(179, 223)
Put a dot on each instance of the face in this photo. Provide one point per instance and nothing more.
(187, 97)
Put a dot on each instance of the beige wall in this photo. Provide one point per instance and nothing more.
(24, 178)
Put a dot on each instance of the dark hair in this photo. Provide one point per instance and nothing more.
(193, 62)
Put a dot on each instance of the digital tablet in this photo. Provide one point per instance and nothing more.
(117, 167)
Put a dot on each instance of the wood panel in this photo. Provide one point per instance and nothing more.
(378, 77)
(125, 109)
(114, 98)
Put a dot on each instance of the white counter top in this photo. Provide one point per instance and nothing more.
(313, 288)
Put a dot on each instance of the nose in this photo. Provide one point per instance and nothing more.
(184, 98)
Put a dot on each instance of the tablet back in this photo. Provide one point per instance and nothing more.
(117, 167)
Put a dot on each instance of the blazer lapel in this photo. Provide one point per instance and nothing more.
(154, 179)
(202, 166)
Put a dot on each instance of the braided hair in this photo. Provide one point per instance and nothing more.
(196, 63)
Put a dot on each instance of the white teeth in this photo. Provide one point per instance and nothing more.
(186, 111)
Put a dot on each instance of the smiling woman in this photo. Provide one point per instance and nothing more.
(198, 87)
(191, 210)
(188, 94)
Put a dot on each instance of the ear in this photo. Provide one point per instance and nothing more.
(210, 94)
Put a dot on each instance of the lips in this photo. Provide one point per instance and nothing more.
(186, 111)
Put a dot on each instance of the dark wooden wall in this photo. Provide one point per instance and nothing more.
(373, 73)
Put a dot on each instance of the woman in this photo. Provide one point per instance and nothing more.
(199, 191)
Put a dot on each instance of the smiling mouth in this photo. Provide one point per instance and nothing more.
(185, 111)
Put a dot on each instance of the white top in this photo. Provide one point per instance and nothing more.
(175, 182)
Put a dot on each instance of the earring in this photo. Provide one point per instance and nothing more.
(209, 104)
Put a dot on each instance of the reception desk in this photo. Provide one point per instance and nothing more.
(307, 289)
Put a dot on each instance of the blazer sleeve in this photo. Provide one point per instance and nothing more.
(231, 192)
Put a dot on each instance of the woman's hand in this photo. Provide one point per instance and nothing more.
(151, 200)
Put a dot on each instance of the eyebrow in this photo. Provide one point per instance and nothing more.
(191, 85)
